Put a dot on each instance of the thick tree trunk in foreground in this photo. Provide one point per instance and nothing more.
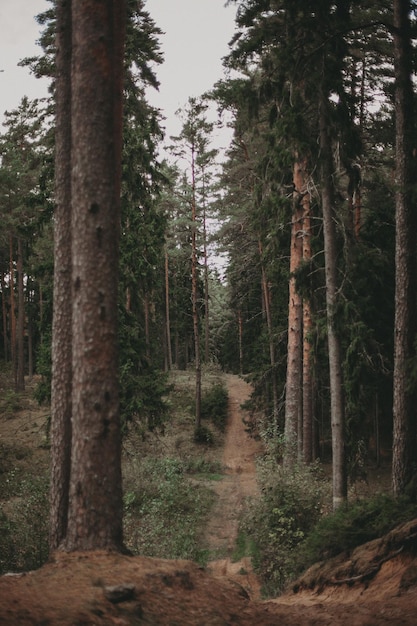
(335, 362)
(95, 502)
(404, 434)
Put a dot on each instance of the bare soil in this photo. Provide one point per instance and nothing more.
(373, 586)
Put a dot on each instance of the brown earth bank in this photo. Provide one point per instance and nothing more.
(104, 589)
(374, 585)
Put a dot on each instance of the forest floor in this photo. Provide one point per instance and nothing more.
(373, 586)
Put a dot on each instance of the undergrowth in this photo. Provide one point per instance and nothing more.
(354, 524)
(214, 404)
(24, 525)
(286, 529)
(164, 511)
(290, 504)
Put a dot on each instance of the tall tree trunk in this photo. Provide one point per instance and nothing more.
(95, 500)
(293, 394)
(240, 336)
(301, 187)
(268, 315)
(194, 288)
(404, 432)
(13, 345)
(4, 313)
(335, 362)
(206, 288)
(147, 333)
(61, 400)
(167, 313)
(20, 370)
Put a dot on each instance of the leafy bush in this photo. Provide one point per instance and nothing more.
(11, 402)
(203, 435)
(24, 528)
(164, 513)
(201, 466)
(354, 524)
(275, 525)
(214, 404)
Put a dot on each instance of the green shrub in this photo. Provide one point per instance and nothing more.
(354, 524)
(24, 528)
(164, 512)
(275, 525)
(206, 468)
(214, 404)
(11, 402)
(203, 436)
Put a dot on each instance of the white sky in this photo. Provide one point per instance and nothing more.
(197, 33)
(18, 35)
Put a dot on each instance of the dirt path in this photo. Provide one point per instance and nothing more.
(233, 491)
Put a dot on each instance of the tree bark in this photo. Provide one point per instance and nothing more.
(293, 394)
(404, 425)
(335, 362)
(167, 313)
(4, 313)
(95, 499)
(267, 306)
(301, 187)
(194, 295)
(206, 286)
(20, 370)
(61, 401)
(13, 346)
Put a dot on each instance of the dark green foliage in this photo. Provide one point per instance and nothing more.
(203, 435)
(290, 505)
(44, 369)
(214, 405)
(354, 524)
(142, 386)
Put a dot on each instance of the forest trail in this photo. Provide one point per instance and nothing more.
(233, 491)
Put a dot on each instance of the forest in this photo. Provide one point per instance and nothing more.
(289, 260)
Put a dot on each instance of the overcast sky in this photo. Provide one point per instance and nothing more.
(197, 33)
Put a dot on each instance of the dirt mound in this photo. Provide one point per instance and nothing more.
(101, 589)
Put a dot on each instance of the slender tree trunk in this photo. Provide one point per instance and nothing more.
(4, 313)
(240, 335)
(13, 346)
(147, 334)
(268, 315)
(30, 342)
(167, 313)
(20, 375)
(194, 288)
(95, 499)
(335, 361)
(301, 187)
(404, 432)
(206, 289)
(293, 393)
(61, 400)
